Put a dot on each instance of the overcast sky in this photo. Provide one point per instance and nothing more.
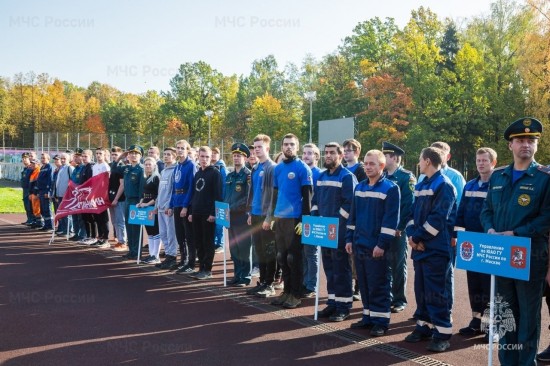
(136, 45)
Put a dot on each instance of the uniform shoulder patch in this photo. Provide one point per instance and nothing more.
(544, 169)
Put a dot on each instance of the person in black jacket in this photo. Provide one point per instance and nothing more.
(207, 188)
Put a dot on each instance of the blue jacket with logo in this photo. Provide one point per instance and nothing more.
(374, 214)
(182, 191)
(433, 216)
(468, 216)
(332, 197)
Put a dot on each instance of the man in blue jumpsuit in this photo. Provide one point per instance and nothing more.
(372, 226)
(236, 192)
(468, 219)
(429, 230)
(292, 190)
(518, 204)
(397, 256)
(332, 197)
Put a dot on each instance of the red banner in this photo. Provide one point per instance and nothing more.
(88, 197)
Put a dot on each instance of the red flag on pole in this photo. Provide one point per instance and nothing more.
(88, 197)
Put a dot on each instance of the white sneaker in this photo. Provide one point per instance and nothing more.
(255, 272)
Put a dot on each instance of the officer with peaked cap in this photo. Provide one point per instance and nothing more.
(398, 250)
(134, 180)
(237, 185)
(518, 204)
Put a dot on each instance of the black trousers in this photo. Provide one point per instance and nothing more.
(204, 240)
(289, 255)
(264, 244)
(185, 238)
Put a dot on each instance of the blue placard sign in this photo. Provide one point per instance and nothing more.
(321, 231)
(222, 213)
(141, 216)
(499, 255)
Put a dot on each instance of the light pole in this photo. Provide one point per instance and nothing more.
(209, 114)
(311, 96)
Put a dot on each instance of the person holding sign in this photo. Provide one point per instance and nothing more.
(429, 229)
(468, 219)
(236, 192)
(292, 189)
(518, 204)
(332, 197)
(148, 198)
(372, 226)
(132, 188)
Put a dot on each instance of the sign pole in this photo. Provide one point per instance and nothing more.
(491, 320)
(317, 284)
(225, 249)
(139, 243)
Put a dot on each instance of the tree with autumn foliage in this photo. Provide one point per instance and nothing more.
(389, 102)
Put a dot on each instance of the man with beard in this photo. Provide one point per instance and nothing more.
(332, 197)
(292, 184)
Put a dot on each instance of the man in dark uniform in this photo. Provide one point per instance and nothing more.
(134, 180)
(518, 204)
(25, 180)
(44, 183)
(397, 252)
(236, 192)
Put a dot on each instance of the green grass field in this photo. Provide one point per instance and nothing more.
(11, 200)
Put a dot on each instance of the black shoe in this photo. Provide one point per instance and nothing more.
(544, 356)
(74, 238)
(416, 337)
(168, 262)
(326, 312)
(339, 316)
(361, 325)
(438, 345)
(254, 290)
(175, 266)
(242, 283)
(378, 331)
(185, 270)
(397, 308)
(233, 281)
(469, 331)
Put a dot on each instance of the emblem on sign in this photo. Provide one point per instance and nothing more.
(466, 251)
(132, 214)
(518, 257)
(524, 200)
(332, 232)
(307, 230)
